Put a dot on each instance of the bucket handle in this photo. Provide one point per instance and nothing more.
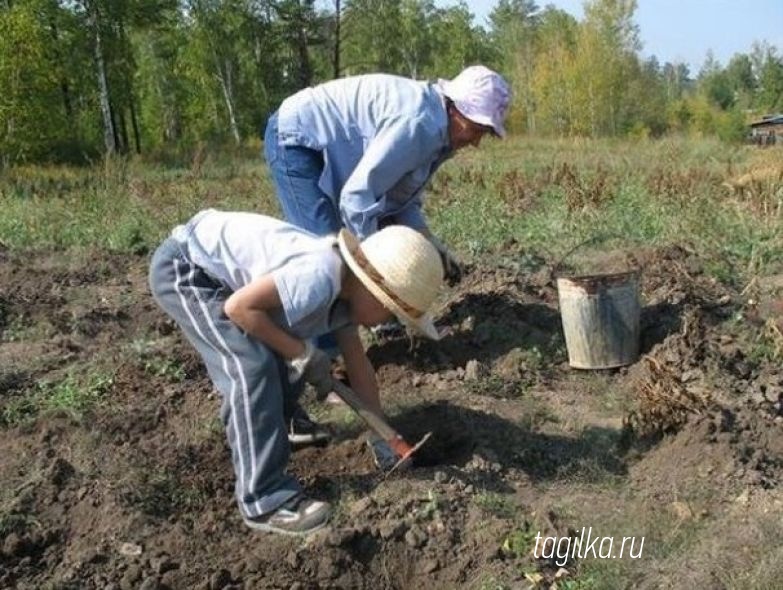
(600, 237)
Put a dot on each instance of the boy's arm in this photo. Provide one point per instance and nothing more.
(360, 372)
(248, 308)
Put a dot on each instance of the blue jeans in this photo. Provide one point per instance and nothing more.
(295, 173)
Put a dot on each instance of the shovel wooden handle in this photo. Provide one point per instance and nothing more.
(374, 421)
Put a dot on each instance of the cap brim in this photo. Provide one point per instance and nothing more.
(496, 128)
(348, 244)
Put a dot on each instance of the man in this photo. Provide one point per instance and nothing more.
(357, 152)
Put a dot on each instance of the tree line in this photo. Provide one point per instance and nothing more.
(80, 78)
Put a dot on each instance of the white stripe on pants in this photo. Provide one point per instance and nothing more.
(250, 378)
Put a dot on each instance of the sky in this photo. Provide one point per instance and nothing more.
(683, 30)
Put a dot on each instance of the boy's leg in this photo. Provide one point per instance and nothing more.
(245, 372)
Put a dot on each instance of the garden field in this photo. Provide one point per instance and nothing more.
(114, 468)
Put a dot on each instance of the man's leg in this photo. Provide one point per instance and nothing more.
(295, 173)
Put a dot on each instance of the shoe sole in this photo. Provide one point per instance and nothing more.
(308, 440)
(268, 528)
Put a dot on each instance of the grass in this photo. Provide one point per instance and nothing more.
(654, 193)
(75, 395)
(160, 493)
(498, 505)
(151, 356)
(545, 195)
(615, 512)
(122, 205)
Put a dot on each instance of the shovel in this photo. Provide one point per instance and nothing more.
(382, 428)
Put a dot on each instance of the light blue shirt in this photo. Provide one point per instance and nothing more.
(235, 248)
(382, 137)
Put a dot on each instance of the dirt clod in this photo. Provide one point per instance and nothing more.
(415, 537)
(391, 530)
(14, 545)
(219, 579)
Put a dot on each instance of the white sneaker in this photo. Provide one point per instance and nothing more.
(300, 515)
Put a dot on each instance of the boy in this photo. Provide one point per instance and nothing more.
(249, 292)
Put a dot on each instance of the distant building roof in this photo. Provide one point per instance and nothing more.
(768, 120)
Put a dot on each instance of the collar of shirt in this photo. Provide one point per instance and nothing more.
(446, 152)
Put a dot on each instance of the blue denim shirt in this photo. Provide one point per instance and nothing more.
(382, 137)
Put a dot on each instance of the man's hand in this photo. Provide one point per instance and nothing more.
(451, 266)
(315, 367)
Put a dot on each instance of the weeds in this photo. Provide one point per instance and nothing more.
(152, 359)
(495, 504)
(14, 522)
(520, 542)
(767, 346)
(545, 194)
(170, 369)
(430, 509)
(537, 413)
(73, 395)
(15, 329)
(587, 582)
(160, 493)
(492, 583)
(496, 385)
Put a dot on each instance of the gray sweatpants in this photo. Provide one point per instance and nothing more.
(252, 380)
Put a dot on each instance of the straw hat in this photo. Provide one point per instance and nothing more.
(401, 268)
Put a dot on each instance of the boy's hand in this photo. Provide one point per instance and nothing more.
(315, 367)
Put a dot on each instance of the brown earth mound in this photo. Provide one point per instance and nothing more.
(127, 483)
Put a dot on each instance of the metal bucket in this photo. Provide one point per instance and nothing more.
(600, 315)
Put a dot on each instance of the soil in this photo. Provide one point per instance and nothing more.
(136, 489)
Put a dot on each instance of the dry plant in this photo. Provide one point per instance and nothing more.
(664, 402)
(518, 191)
(761, 188)
(582, 191)
(673, 184)
(197, 162)
(773, 332)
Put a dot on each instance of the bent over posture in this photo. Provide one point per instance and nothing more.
(357, 152)
(249, 292)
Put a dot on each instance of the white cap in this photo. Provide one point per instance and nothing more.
(481, 95)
